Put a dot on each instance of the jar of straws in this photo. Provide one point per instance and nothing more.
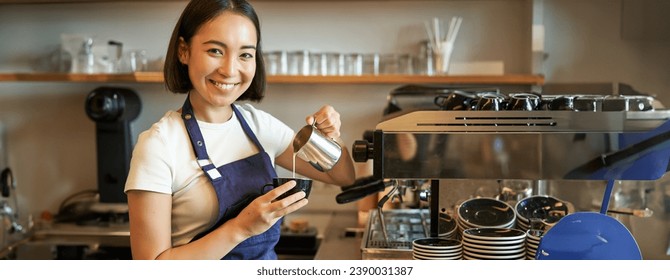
(442, 38)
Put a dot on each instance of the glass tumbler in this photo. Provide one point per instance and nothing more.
(353, 64)
(298, 63)
(424, 61)
(405, 64)
(134, 61)
(389, 64)
(335, 64)
(318, 63)
(276, 62)
(371, 64)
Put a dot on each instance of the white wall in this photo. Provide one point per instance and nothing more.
(585, 44)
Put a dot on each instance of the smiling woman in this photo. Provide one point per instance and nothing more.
(195, 186)
(221, 63)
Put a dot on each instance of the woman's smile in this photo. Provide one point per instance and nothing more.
(223, 86)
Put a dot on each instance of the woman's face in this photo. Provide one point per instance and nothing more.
(221, 58)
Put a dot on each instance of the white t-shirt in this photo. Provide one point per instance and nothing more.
(163, 161)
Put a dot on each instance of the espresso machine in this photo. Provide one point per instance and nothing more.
(484, 135)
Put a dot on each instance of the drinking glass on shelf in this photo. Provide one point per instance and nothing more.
(389, 64)
(134, 61)
(318, 63)
(335, 64)
(353, 64)
(72, 44)
(298, 62)
(442, 57)
(371, 64)
(405, 64)
(276, 62)
(424, 64)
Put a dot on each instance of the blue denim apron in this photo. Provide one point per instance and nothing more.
(236, 185)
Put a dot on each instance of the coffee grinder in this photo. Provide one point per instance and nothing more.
(112, 109)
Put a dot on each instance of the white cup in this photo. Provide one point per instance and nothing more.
(442, 57)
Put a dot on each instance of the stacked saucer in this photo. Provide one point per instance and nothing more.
(545, 209)
(484, 212)
(494, 244)
(436, 249)
(533, 237)
(447, 227)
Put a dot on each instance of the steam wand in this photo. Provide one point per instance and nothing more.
(381, 203)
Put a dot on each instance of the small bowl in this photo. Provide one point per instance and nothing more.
(545, 208)
(486, 212)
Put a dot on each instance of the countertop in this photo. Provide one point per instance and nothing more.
(340, 239)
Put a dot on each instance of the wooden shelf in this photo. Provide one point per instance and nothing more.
(138, 77)
(157, 77)
(413, 79)
(102, 1)
(76, 1)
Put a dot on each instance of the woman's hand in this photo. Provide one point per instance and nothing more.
(264, 211)
(327, 121)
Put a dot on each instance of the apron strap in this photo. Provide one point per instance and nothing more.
(247, 129)
(198, 142)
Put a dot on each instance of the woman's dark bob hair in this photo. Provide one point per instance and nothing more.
(196, 13)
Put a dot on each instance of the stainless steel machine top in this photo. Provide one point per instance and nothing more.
(562, 137)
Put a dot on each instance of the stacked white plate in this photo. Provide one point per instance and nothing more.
(484, 212)
(431, 248)
(533, 237)
(494, 244)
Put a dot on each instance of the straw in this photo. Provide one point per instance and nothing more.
(431, 38)
(452, 25)
(442, 38)
(436, 33)
(456, 28)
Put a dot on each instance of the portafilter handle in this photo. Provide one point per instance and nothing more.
(361, 188)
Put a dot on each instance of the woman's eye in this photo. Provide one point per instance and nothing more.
(247, 56)
(215, 52)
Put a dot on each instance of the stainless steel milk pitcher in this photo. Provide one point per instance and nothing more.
(312, 146)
